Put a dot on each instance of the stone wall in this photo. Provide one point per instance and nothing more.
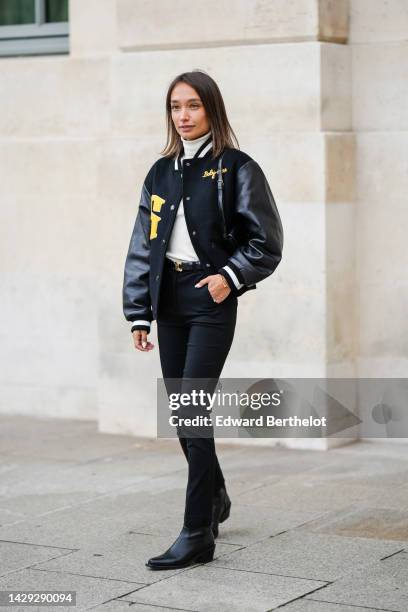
(379, 47)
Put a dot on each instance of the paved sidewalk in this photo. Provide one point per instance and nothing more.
(308, 532)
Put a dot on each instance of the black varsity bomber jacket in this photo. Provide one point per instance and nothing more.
(249, 215)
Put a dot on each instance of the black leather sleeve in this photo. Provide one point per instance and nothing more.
(136, 293)
(261, 253)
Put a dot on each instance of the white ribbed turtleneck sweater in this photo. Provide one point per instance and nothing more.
(180, 245)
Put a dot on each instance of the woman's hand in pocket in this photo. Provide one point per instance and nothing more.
(217, 287)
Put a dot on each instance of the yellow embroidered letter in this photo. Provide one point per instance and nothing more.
(153, 225)
(156, 204)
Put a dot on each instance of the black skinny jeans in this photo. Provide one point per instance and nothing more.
(195, 335)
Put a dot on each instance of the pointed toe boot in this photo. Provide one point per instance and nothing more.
(221, 510)
(192, 546)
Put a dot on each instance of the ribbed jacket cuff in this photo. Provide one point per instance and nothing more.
(140, 324)
(232, 276)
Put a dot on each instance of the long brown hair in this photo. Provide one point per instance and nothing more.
(222, 133)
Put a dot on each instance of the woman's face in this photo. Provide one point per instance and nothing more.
(188, 112)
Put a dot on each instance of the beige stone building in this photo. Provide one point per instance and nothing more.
(317, 92)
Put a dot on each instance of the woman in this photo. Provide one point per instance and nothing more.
(197, 245)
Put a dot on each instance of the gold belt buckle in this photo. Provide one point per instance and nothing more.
(177, 266)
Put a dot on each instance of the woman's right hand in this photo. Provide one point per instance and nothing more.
(140, 340)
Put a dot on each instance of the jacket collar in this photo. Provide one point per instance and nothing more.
(201, 152)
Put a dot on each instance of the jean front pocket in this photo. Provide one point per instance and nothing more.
(205, 296)
(210, 297)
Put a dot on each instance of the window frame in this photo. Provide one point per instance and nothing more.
(39, 38)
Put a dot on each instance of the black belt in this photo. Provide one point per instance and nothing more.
(180, 266)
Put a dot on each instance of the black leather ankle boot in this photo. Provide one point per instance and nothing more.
(192, 546)
(221, 510)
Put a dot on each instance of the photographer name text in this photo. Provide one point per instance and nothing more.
(259, 421)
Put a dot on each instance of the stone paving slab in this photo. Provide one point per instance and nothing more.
(276, 462)
(98, 476)
(365, 522)
(396, 498)
(309, 555)
(31, 485)
(374, 447)
(60, 439)
(249, 468)
(298, 492)
(89, 591)
(120, 605)
(253, 468)
(244, 526)
(97, 520)
(237, 484)
(389, 472)
(122, 558)
(78, 441)
(54, 485)
(15, 556)
(209, 589)
(36, 505)
(382, 585)
(7, 517)
(308, 605)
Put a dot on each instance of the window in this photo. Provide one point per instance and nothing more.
(30, 27)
